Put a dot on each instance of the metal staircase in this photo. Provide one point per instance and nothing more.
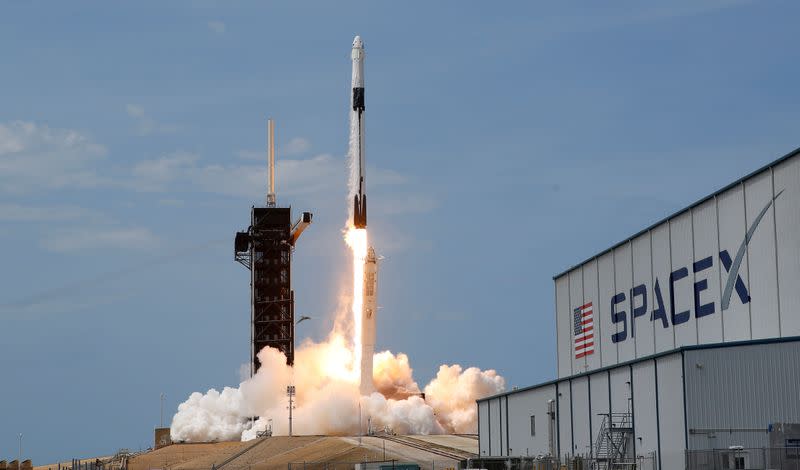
(612, 447)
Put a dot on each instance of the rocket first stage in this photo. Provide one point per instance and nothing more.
(357, 101)
(368, 325)
(370, 287)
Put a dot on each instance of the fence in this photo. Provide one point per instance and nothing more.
(761, 458)
(379, 465)
(641, 462)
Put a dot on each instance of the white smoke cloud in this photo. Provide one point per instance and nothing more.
(209, 417)
(328, 399)
(453, 393)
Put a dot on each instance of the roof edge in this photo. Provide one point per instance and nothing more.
(694, 347)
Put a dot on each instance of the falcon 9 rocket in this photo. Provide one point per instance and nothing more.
(357, 102)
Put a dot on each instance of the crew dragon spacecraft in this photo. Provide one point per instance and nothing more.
(357, 101)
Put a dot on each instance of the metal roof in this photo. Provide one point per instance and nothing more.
(688, 208)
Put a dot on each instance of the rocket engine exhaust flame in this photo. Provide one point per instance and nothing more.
(328, 375)
(356, 239)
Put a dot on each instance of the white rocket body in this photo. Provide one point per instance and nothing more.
(357, 103)
(368, 321)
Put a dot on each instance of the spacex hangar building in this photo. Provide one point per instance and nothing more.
(683, 338)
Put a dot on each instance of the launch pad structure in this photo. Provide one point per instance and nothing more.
(266, 250)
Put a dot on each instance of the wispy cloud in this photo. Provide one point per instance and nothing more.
(145, 124)
(217, 26)
(156, 174)
(184, 172)
(296, 146)
(74, 229)
(71, 240)
(11, 212)
(34, 157)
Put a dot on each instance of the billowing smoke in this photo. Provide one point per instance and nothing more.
(327, 400)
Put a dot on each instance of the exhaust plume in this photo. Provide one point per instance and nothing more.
(327, 398)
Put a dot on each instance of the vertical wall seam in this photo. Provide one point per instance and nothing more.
(508, 436)
(719, 270)
(583, 302)
(683, 383)
(599, 311)
(489, 414)
(693, 313)
(747, 257)
(633, 283)
(571, 422)
(614, 292)
(671, 307)
(479, 430)
(572, 342)
(775, 234)
(558, 421)
(591, 429)
(558, 333)
(658, 414)
(652, 291)
(633, 407)
(500, 420)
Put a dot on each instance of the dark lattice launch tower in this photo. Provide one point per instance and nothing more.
(266, 250)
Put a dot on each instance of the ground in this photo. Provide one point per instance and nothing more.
(311, 453)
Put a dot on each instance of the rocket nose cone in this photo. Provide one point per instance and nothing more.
(357, 43)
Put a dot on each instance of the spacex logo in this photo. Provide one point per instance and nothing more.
(638, 295)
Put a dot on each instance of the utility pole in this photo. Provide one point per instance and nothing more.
(19, 459)
(163, 395)
(290, 391)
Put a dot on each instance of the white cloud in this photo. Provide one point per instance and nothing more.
(145, 124)
(10, 212)
(134, 110)
(85, 228)
(294, 176)
(296, 146)
(153, 175)
(78, 239)
(35, 157)
(217, 26)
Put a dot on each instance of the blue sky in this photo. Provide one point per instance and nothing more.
(504, 145)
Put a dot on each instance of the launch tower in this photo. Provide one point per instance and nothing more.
(266, 250)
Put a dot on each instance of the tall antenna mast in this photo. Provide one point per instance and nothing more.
(271, 152)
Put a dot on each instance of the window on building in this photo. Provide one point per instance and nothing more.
(533, 425)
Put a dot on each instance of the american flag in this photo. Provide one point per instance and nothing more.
(584, 331)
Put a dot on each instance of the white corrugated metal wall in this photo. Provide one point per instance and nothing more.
(652, 388)
(733, 394)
